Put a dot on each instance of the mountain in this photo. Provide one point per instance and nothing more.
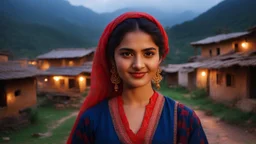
(229, 15)
(167, 19)
(29, 27)
(50, 12)
(58, 14)
(33, 39)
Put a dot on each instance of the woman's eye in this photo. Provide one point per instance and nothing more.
(126, 54)
(149, 54)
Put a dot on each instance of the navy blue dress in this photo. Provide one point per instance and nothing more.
(165, 122)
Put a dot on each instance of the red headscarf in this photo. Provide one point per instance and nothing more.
(101, 86)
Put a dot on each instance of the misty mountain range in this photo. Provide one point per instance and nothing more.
(31, 27)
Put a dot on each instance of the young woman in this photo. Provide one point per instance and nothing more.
(122, 106)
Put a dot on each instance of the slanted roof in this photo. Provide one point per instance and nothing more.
(67, 71)
(232, 59)
(219, 38)
(66, 53)
(242, 59)
(14, 70)
(186, 67)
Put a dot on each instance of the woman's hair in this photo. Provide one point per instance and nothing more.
(130, 25)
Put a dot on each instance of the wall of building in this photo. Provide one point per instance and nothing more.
(3, 58)
(87, 58)
(227, 46)
(172, 78)
(47, 63)
(221, 92)
(201, 78)
(27, 97)
(183, 79)
(252, 41)
(61, 84)
(192, 80)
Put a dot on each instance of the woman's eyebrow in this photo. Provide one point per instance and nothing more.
(130, 49)
(126, 49)
(148, 49)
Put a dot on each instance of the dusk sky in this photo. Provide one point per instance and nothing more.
(167, 5)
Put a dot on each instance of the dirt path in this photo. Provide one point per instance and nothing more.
(221, 133)
(58, 123)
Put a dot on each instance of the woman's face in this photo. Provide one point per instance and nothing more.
(137, 59)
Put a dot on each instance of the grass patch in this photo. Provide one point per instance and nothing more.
(46, 117)
(198, 99)
(61, 133)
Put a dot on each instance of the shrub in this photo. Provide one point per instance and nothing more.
(31, 114)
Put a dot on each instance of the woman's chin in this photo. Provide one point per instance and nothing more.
(137, 84)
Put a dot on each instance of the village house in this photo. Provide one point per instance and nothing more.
(17, 88)
(183, 75)
(65, 57)
(229, 67)
(225, 68)
(66, 72)
(4, 56)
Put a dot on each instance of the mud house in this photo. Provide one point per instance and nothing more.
(4, 56)
(229, 67)
(17, 88)
(183, 75)
(66, 81)
(66, 72)
(68, 57)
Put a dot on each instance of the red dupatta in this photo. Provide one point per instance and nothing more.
(101, 86)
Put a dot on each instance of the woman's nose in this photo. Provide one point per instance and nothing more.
(138, 63)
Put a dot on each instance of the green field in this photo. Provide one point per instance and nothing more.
(47, 119)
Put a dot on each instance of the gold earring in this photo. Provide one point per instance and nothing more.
(157, 78)
(115, 79)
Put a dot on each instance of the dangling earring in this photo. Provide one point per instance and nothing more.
(115, 79)
(157, 78)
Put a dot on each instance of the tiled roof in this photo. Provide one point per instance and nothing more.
(242, 59)
(229, 60)
(66, 53)
(172, 68)
(219, 38)
(14, 70)
(68, 71)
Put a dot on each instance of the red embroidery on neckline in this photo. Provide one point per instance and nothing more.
(150, 122)
(139, 136)
(117, 122)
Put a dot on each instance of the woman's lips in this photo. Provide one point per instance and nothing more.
(138, 75)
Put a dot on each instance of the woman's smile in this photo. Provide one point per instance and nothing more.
(138, 75)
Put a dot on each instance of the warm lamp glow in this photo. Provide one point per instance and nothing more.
(46, 80)
(71, 63)
(81, 78)
(56, 78)
(33, 63)
(203, 73)
(245, 44)
(9, 98)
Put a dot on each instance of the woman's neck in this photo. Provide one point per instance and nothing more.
(137, 96)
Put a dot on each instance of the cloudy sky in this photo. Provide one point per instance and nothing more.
(168, 5)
